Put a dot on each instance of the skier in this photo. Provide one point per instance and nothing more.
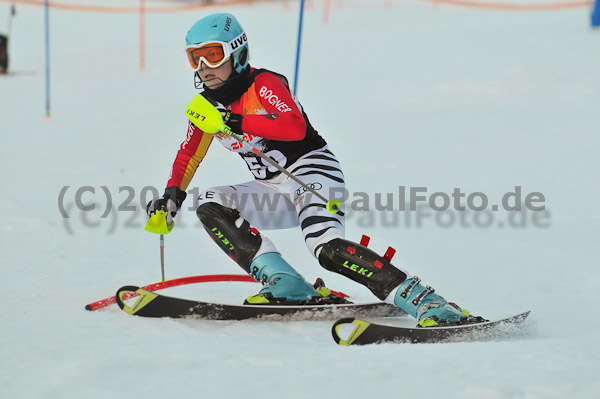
(258, 104)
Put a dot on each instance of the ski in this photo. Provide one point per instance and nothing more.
(151, 304)
(364, 332)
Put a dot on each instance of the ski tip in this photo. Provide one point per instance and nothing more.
(88, 307)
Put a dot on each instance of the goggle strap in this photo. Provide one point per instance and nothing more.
(237, 42)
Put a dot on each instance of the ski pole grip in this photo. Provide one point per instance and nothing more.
(157, 223)
(204, 115)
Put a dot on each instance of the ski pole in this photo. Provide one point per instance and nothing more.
(206, 117)
(157, 224)
(162, 256)
(271, 161)
(11, 14)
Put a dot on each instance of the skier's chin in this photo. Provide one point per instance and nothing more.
(214, 83)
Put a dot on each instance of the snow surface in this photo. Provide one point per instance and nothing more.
(408, 95)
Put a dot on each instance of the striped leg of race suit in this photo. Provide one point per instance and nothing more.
(281, 202)
(321, 171)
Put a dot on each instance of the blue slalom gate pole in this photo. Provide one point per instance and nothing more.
(298, 47)
(47, 31)
(596, 14)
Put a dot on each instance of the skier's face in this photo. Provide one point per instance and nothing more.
(214, 78)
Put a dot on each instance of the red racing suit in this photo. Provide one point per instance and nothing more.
(273, 121)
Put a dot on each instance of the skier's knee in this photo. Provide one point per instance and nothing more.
(315, 244)
(362, 265)
(231, 232)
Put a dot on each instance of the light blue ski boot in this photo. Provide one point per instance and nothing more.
(428, 308)
(282, 284)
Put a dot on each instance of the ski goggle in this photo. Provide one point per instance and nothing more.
(213, 53)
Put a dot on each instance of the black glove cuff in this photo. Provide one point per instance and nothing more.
(175, 194)
(234, 121)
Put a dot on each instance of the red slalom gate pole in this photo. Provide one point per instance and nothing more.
(211, 278)
(326, 8)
